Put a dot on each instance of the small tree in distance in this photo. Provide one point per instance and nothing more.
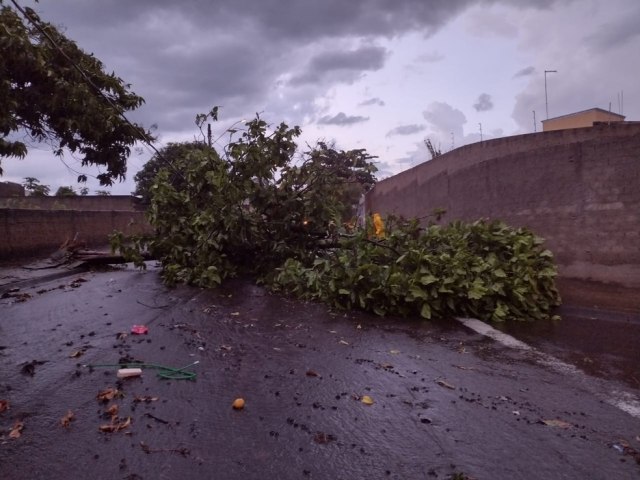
(34, 189)
(168, 156)
(66, 192)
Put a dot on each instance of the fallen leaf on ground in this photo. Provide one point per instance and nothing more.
(394, 352)
(4, 405)
(359, 327)
(444, 384)
(323, 438)
(109, 394)
(367, 400)
(113, 411)
(76, 354)
(121, 335)
(557, 423)
(343, 342)
(67, 419)
(16, 430)
(461, 367)
(116, 426)
(311, 373)
(332, 331)
(147, 449)
(20, 297)
(144, 398)
(235, 314)
(238, 404)
(225, 347)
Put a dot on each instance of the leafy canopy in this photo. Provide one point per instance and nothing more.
(252, 207)
(45, 94)
(166, 156)
(66, 191)
(34, 188)
(485, 270)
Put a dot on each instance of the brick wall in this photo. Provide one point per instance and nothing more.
(79, 202)
(578, 188)
(11, 189)
(40, 232)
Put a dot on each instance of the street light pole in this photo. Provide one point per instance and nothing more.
(546, 98)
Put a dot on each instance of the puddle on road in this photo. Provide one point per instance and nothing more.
(600, 345)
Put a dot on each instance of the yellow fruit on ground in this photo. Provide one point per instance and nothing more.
(238, 404)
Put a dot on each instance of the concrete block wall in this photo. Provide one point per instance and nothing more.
(578, 188)
(79, 202)
(41, 232)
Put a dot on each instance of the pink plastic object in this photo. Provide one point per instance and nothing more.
(139, 330)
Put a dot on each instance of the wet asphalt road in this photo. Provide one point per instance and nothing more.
(447, 401)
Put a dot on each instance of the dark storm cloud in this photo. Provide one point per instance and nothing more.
(372, 101)
(406, 130)
(341, 119)
(184, 57)
(301, 20)
(342, 66)
(484, 103)
(525, 72)
(618, 33)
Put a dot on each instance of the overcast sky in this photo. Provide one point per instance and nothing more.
(378, 74)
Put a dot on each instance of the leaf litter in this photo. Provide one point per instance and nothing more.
(67, 419)
(16, 430)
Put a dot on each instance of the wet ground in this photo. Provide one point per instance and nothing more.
(447, 402)
(605, 344)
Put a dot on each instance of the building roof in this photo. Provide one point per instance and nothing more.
(621, 117)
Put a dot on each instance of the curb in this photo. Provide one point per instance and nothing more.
(32, 282)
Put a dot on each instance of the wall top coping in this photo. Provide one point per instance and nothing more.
(497, 147)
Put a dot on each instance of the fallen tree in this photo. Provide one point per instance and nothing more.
(263, 208)
(485, 270)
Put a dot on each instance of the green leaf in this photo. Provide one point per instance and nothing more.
(477, 290)
(498, 272)
(428, 279)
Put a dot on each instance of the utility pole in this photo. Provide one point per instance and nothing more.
(546, 98)
(480, 130)
(535, 125)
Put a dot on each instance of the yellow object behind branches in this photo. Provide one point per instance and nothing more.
(378, 225)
